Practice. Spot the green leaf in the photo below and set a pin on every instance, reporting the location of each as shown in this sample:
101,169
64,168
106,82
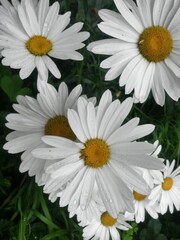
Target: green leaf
154,226
129,235
45,220
11,86
4,70
24,91
143,234
161,237
60,233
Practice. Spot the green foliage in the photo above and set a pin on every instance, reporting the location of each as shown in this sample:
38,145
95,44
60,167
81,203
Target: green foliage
12,86
152,231
129,235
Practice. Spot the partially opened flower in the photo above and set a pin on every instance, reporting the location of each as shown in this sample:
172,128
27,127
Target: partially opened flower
142,202
106,227
34,33
144,47
105,155
167,192
46,115
142,205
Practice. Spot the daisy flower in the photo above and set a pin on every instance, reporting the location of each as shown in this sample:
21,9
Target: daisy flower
143,204
46,115
167,192
105,155
144,48
106,227
35,33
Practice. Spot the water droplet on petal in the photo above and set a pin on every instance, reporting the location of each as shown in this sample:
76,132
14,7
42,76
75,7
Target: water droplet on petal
83,207
45,24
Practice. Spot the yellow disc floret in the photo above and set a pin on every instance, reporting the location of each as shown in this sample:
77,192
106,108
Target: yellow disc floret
138,196
59,126
96,153
155,43
167,184
39,45
107,220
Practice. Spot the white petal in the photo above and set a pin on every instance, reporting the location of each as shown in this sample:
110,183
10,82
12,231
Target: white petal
91,120
75,125
62,96
124,131
114,233
88,185
41,67
52,66
59,142
128,15
50,18
104,102
22,143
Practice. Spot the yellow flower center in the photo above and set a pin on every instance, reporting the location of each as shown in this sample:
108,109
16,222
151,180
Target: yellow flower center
167,184
155,44
96,153
59,126
138,196
107,220
39,45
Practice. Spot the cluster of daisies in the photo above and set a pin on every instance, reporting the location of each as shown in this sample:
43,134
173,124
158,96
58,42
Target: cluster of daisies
85,153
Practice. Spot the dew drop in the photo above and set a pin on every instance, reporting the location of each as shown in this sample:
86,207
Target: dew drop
62,187
45,24
83,207
68,183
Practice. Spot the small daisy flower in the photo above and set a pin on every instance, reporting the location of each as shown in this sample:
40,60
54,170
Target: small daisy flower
35,33
167,192
106,227
143,204
105,155
143,48
46,115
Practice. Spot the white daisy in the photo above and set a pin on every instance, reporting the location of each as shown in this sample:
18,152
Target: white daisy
167,192
143,204
106,155
106,227
144,48
46,115
34,33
